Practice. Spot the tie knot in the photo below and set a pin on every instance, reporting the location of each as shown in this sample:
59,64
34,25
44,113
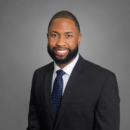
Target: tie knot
60,72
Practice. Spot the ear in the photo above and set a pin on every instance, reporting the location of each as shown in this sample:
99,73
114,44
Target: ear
47,35
79,39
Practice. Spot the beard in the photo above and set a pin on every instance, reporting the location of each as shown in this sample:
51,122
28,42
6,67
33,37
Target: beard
71,54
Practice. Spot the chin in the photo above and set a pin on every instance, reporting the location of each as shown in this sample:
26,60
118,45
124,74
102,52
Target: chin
60,57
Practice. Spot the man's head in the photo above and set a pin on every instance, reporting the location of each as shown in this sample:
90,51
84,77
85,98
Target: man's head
63,37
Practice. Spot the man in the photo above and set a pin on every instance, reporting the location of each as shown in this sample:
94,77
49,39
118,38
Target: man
71,93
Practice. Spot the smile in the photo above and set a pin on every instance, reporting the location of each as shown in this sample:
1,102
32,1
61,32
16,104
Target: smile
61,52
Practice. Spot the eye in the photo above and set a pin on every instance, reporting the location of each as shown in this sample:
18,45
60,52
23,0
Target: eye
68,35
54,35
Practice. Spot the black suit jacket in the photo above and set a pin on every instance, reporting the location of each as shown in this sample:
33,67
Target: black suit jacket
90,100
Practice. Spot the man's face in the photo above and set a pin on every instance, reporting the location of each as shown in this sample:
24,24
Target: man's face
63,40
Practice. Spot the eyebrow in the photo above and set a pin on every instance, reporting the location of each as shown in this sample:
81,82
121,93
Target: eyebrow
57,32
54,31
68,32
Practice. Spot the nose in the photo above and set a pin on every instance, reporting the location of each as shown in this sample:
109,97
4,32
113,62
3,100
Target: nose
61,41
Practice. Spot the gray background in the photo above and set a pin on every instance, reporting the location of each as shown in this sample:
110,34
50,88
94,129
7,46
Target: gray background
105,26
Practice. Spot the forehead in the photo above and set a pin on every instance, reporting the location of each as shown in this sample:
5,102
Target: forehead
62,24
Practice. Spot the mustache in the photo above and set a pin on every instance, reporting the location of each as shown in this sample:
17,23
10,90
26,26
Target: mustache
61,47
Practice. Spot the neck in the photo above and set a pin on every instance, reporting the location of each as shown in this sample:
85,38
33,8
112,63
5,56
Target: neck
63,65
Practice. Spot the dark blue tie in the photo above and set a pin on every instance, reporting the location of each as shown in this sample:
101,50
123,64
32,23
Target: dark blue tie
57,91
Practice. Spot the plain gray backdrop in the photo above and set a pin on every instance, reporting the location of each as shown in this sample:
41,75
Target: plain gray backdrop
105,28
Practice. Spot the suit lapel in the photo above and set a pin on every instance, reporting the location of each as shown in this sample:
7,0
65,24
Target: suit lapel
48,83
76,76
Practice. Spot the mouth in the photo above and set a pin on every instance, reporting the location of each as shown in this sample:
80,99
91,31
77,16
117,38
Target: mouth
61,52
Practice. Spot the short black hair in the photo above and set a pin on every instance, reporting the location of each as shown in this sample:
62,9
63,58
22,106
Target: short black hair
66,15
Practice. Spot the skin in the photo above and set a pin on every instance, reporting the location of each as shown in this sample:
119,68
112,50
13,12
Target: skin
63,33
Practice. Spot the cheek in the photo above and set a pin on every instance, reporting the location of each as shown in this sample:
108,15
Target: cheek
72,43
51,43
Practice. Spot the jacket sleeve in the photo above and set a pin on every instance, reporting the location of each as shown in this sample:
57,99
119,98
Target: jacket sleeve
107,113
33,121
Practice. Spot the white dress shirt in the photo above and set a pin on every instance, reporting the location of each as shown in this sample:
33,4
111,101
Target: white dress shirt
67,69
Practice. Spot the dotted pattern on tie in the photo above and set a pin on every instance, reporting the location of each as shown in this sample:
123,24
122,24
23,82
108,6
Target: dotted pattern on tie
57,91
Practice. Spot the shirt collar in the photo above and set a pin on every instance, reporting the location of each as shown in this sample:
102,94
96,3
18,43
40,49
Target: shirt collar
67,69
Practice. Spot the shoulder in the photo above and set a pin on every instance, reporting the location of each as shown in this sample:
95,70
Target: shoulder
96,70
44,69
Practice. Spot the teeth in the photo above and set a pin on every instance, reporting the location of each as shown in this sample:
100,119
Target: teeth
62,51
